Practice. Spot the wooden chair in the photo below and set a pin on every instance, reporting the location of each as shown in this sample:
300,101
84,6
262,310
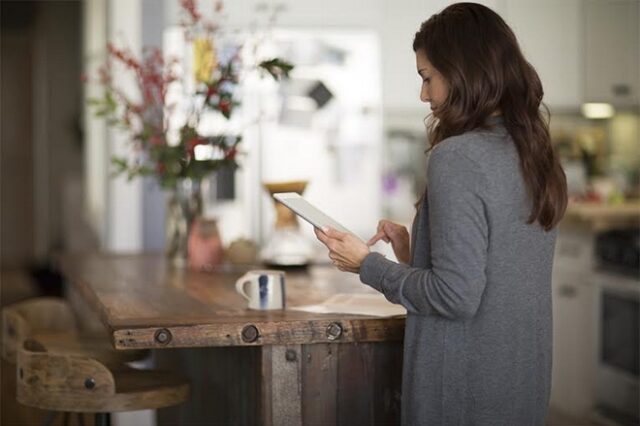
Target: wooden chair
82,384
51,321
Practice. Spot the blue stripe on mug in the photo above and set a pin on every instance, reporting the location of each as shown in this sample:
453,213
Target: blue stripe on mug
263,282
284,295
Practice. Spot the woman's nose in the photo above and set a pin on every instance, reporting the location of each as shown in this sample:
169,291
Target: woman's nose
424,95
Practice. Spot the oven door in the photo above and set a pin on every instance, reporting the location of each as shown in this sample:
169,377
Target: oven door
618,362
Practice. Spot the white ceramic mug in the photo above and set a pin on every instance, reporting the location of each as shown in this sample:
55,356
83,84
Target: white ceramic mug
264,289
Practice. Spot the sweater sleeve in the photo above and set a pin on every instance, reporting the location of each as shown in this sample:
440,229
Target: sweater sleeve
454,284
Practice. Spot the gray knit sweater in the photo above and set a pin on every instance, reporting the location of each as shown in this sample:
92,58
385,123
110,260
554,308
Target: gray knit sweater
477,348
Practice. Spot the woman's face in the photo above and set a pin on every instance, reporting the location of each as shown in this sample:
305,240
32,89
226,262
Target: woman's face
434,87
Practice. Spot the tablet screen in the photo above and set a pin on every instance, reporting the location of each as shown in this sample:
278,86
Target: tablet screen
308,211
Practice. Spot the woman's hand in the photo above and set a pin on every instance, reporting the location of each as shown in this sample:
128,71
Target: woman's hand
397,235
346,251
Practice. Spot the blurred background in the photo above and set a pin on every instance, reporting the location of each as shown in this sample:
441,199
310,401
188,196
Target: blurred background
349,123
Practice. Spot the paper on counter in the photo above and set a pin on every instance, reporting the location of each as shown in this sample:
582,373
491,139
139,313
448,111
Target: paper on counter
356,304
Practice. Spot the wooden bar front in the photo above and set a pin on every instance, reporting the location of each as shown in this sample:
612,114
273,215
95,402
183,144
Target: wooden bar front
248,367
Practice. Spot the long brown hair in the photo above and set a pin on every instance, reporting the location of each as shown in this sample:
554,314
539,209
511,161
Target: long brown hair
478,55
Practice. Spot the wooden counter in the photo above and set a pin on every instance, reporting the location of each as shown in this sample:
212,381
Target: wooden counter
254,367
602,216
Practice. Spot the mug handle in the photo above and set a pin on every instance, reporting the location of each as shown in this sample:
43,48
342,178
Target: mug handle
240,285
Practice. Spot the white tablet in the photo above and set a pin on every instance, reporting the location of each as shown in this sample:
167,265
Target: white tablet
308,211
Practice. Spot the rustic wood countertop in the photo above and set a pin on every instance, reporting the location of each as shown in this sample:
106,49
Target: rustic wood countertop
146,303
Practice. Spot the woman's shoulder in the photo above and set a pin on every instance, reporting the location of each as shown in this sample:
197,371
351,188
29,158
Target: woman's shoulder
455,158
480,146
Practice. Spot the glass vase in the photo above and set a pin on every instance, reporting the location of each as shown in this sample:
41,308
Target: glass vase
184,206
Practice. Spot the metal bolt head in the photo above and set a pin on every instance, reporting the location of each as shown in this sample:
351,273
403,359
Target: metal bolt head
89,383
290,355
334,331
250,333
163,336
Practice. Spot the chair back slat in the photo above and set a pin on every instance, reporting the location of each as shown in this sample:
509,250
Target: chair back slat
54,380
31,317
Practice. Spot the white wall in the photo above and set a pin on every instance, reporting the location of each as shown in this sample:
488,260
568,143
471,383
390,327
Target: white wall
95,152
124,197
396,22
127,216
153,198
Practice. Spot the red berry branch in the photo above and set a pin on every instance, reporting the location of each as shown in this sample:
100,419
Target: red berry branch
145,115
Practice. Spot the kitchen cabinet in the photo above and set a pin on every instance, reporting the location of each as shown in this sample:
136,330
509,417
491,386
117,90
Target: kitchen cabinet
574,342
574,323
549,33
612,53
616,374
577,288
583,51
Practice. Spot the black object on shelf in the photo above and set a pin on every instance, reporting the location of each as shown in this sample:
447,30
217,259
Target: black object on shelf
618,251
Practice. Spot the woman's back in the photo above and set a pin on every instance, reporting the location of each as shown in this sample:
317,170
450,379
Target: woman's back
464,371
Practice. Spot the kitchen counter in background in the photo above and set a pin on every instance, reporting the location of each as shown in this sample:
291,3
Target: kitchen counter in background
578,282
602,216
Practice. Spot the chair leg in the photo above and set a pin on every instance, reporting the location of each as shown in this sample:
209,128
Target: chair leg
103,419
50,417
65,419
80,419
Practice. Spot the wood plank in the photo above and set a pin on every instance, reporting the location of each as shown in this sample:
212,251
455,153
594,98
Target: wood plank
266,379
281,385
319,383
355,384
269,333
369,383
225,386
258,385
387,367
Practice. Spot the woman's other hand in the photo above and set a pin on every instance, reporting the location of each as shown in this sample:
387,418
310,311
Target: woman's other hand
346,251
398,236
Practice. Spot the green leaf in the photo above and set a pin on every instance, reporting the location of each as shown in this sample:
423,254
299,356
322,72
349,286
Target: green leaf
120,166
277,68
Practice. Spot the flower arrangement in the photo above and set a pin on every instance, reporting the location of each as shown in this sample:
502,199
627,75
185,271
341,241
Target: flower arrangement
158,150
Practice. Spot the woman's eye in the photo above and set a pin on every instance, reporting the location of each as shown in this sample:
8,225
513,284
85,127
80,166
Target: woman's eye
426,80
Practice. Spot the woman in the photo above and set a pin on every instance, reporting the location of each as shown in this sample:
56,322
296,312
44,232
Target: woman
477,280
